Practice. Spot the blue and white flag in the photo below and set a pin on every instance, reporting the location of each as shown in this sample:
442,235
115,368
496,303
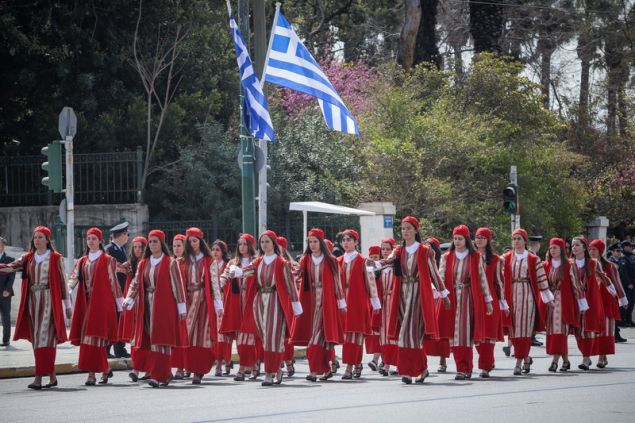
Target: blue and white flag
255,102
290,65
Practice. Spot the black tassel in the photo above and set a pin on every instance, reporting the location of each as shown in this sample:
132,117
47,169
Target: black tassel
235,286
307,286
398,272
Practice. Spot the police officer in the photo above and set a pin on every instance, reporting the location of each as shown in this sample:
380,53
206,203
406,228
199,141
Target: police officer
628,262
117,249
6,292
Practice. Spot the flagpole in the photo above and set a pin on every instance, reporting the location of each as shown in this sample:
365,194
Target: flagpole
229,8
273,30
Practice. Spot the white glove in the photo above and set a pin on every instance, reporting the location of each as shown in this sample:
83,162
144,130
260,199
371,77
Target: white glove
612,290
503,304
297,308
218,305
488,299
128,303
445,293
67,303
181,308
374,301
623,302
583,304
546,296
235,271
341,304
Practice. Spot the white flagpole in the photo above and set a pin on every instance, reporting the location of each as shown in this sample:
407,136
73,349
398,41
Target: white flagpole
229,8
273,30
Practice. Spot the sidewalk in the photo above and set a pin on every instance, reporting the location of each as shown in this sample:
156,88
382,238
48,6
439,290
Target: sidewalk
17,359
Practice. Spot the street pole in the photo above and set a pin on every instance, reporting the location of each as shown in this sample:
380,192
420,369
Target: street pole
515,218
246,141
260,52
70,207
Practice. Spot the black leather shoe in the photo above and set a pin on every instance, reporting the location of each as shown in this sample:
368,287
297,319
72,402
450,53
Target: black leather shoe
267,383
535,342
565,366
619,339
407,380
311,378
51,385
507,350
422,378
133,376
34,386
327,375
460,376
553,367
153,383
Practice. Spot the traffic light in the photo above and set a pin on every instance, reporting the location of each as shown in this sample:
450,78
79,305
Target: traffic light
53,166
510,198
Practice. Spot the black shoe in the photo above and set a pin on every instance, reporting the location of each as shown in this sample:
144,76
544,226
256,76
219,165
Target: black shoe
144,377
34,386
553,367
4,344
267,383
460,376
311,378
535,342
153,383
111,356
124,355
327,375
240,377
566,366
347,376
51,385
133,376
619,339
422,378
585,366
407,380
373,365
507,350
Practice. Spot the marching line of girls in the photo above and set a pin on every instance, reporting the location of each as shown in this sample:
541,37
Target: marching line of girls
403,303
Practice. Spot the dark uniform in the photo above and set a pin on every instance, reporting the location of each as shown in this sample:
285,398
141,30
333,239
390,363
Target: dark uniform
6,284
627,263
120,254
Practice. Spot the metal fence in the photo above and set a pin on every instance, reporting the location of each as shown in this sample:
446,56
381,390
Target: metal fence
99,178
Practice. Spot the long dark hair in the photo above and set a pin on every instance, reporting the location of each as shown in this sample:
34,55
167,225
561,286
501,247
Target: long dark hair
489,252
164,249
587,257
223,249
330,259
204,248
250,248
101,247
563,260
133,260
468,243
437,251
276,247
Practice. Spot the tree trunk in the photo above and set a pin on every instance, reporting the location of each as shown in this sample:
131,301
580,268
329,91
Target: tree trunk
614,57
546,47
408,38
426,45
585,50
486,25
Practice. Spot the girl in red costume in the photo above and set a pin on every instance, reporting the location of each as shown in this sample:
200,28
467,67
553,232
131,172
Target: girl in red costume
493,323
359,285
275,302
157,291
463,274
384,280
223,347
562,318
94,323
205,303
605,343
525,281
319,327
43,303
238,319
371,342
140,358
177,357
412,314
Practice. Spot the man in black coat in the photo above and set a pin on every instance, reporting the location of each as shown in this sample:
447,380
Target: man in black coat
6,292
628,263
117,249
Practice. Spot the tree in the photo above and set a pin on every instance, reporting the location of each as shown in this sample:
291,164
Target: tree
408,38
426,49
486,25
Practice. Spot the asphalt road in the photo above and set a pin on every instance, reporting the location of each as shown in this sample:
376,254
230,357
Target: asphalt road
541,396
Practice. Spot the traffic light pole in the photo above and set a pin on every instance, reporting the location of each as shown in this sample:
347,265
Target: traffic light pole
515,217
70,207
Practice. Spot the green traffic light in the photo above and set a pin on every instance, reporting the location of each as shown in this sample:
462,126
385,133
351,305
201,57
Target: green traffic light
510,198
53,166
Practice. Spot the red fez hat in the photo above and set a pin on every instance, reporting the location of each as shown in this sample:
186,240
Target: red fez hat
374,250
412,220
158,233
433,240
462,230
95,231
179,237
389,241
316,232
485,232
597,243
559,242
282,241
43,229
353,233
329,244
583,240
143,240
271,234
249,238
522,233
195,232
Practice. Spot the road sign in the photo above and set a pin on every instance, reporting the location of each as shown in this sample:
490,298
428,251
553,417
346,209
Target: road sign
67,123
62,211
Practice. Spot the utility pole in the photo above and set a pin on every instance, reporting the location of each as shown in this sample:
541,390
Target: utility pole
246,140
260,52
67,126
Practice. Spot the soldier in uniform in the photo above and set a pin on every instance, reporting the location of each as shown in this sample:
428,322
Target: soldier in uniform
6,292
117,249
628,264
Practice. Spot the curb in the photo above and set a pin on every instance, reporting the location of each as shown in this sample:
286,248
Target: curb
115,364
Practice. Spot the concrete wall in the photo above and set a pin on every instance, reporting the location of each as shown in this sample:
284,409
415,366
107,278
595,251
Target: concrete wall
375,228
16,223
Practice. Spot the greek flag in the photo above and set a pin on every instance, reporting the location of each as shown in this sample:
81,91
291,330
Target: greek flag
290,65
255,103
